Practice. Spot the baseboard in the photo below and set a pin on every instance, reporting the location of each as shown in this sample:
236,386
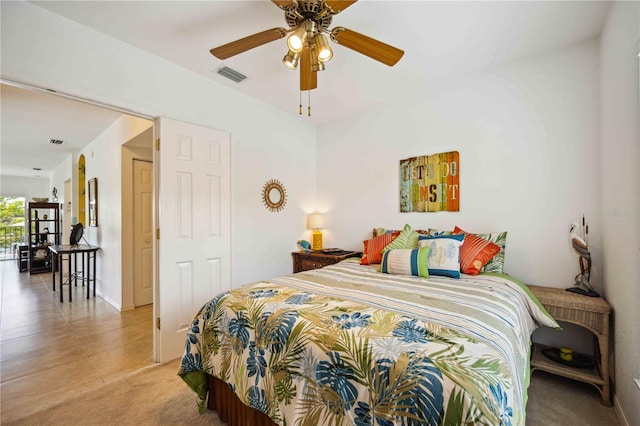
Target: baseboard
109,300
618,410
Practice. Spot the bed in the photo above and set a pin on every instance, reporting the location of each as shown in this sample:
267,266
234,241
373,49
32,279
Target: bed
349,345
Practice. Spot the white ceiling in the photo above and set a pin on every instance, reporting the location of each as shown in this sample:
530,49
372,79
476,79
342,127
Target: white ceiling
441,40
30,119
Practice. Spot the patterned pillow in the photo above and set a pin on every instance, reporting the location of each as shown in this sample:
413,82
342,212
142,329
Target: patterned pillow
496,264
475,252
444,254
437,232
379,231
408,239
372,252
413,262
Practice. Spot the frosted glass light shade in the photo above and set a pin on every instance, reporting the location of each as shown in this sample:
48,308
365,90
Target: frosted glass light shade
315,221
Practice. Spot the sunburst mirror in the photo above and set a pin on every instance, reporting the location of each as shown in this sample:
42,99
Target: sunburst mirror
274,195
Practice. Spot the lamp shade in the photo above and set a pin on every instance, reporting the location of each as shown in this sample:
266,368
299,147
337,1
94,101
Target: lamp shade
315,221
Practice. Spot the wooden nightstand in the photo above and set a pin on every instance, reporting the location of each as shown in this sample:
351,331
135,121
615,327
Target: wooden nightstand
317,259
591,313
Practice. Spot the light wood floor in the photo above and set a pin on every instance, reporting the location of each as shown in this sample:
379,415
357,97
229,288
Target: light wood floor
50,351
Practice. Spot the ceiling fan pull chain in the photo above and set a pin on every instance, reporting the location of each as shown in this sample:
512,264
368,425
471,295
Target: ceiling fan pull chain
300,110
309,104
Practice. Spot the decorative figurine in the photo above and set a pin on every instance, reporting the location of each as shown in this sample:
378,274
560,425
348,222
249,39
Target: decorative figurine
580,245
304,245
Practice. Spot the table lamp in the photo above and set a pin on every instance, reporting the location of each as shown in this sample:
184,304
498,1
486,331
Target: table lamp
315,221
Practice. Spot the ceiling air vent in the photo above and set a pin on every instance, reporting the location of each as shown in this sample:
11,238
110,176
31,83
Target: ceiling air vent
56,141
231,74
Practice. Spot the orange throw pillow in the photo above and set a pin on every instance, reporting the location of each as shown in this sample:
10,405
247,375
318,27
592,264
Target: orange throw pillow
475,252
372,252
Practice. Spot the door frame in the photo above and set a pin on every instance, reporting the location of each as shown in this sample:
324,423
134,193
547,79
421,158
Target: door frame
128,156
136,113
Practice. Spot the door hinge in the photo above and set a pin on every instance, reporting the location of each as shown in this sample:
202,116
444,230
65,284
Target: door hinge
157,233
158,145
158,323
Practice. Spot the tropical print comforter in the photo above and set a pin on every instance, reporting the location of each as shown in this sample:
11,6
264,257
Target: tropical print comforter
348,345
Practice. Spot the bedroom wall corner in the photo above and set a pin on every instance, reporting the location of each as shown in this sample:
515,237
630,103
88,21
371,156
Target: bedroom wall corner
527,134
620,157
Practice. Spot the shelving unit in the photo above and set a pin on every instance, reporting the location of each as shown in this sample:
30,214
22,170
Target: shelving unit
44,230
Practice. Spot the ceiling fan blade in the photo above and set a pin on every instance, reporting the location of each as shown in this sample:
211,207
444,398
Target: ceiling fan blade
308,78
242,45
337,6
284,4
368,46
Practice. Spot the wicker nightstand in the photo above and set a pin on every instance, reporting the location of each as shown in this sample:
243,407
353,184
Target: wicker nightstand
317,259
591,313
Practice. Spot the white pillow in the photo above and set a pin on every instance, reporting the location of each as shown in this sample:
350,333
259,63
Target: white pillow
444,254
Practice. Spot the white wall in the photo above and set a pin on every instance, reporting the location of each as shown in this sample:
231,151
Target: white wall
62,173
16,186
528,136
620,196
44,49
103,158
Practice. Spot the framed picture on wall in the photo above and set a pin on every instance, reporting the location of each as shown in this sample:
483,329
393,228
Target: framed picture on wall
93,202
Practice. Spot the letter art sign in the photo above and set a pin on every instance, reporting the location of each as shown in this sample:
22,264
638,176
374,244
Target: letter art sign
430,183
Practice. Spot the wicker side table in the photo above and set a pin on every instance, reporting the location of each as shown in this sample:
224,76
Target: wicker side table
591,313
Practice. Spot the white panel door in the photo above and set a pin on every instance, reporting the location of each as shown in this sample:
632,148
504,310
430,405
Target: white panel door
143,230
194,210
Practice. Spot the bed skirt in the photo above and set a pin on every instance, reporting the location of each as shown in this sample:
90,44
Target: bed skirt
230,409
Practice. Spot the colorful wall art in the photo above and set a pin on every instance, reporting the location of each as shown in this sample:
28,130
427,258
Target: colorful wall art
430,183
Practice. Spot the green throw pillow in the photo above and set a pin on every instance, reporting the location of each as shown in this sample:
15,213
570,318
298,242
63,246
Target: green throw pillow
408,239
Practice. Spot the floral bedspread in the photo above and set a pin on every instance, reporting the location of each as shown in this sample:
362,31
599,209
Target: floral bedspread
347,345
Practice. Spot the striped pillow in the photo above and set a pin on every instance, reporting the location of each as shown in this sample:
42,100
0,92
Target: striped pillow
414,262
408,239
475,252
372,252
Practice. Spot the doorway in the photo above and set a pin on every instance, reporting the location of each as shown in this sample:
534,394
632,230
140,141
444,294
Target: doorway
107,129
142,233
193,198
12,226
137,220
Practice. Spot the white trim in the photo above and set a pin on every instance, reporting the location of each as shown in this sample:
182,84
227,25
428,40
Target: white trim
32,87
108,300
619,413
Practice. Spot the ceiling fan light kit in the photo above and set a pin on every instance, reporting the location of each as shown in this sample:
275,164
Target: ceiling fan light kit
322,46
316,65
308,46
291,59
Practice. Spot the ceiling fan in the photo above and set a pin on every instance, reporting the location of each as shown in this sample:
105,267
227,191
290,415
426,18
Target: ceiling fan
309,21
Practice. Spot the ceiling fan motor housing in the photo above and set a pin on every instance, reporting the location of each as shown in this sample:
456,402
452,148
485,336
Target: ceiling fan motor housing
315,11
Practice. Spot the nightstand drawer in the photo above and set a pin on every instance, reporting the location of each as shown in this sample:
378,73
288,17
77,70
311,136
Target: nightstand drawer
308,264
317,259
